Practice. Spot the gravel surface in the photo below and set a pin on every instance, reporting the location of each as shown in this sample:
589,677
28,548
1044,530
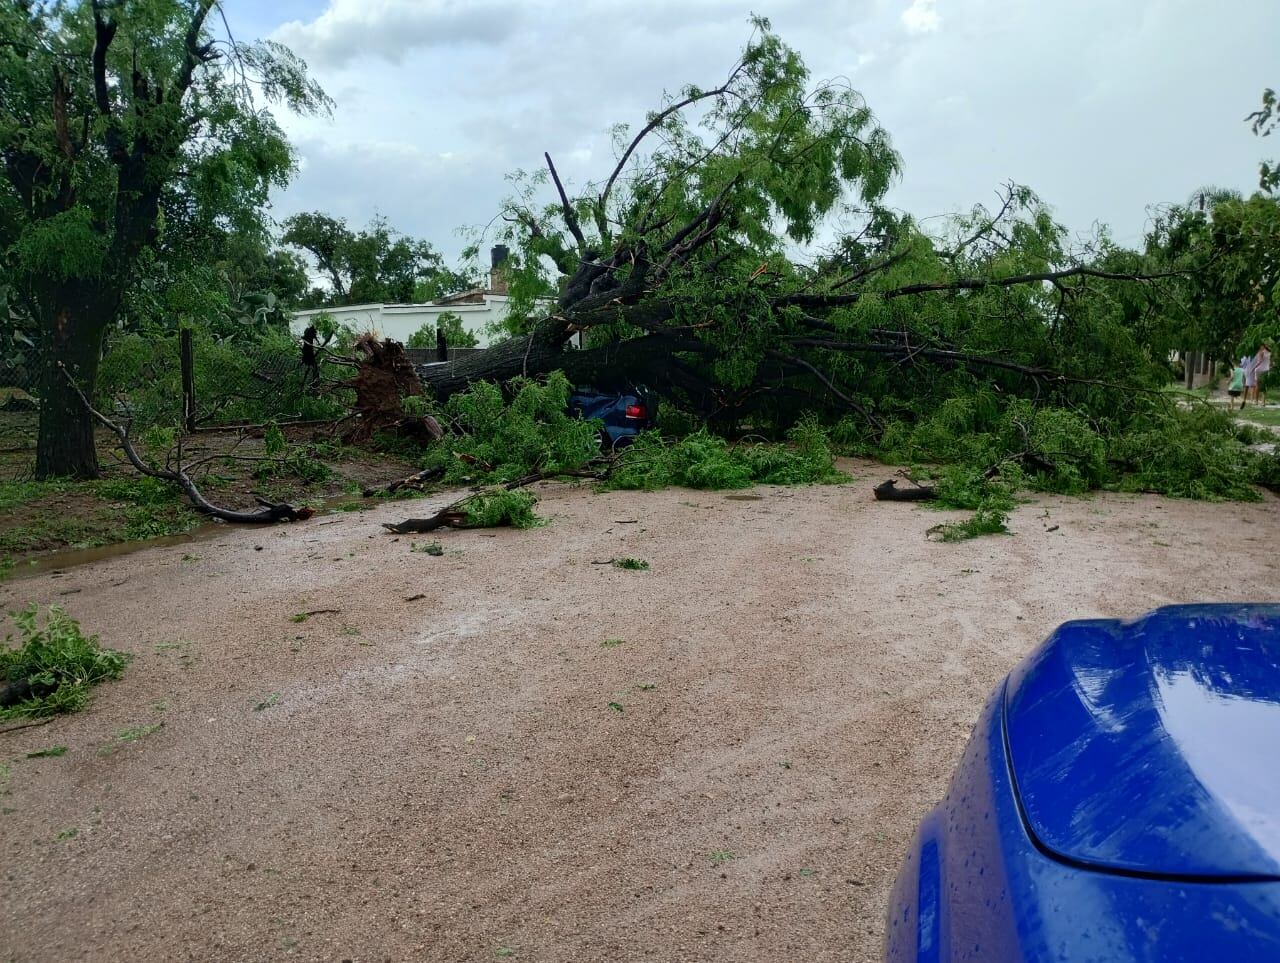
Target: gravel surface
474,775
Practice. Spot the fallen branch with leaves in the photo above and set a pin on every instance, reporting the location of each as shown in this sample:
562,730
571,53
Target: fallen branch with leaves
269,513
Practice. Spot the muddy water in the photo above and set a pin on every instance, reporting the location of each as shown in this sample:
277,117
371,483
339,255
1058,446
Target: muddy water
58,561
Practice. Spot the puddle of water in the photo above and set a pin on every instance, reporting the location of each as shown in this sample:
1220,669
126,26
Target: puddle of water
57,561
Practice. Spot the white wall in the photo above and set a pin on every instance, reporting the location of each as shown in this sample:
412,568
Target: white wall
398,321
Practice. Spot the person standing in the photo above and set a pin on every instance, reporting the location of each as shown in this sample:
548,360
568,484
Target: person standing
1250,379
1261,365
1236,387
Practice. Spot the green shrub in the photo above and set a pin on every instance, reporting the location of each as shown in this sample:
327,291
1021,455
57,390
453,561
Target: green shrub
500,441
54,665
1187,453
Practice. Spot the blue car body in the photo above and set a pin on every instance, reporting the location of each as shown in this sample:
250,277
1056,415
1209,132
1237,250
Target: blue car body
1119,799
623,414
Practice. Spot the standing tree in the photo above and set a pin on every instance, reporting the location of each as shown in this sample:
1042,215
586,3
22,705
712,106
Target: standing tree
376,264
115,114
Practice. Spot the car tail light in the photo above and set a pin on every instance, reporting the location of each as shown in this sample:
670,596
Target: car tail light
635,412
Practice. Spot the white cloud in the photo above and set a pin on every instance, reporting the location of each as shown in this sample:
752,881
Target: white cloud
921,17
438,100
360,29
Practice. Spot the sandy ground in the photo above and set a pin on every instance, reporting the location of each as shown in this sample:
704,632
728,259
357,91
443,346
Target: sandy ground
473,775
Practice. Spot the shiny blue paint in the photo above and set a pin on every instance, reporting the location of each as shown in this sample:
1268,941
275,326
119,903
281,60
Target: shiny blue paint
1153,746
978,885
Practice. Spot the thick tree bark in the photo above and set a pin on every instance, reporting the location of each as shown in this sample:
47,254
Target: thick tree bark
65,447
645,360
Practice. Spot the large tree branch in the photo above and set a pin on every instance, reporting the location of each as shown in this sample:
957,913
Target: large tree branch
654,122
269,513
801,363
814,300
945,355
570,216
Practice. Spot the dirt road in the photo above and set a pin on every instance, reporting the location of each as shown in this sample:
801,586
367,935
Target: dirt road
474,775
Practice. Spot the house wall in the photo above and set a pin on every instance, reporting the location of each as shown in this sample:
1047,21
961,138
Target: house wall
398,321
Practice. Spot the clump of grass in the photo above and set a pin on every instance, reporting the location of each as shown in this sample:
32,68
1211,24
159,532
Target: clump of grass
54,665
611,643
632,564
430,548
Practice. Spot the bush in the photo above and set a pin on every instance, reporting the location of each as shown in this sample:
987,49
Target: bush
1188,453
54,666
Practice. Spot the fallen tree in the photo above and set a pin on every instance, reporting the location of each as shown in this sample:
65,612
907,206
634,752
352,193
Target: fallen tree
679,271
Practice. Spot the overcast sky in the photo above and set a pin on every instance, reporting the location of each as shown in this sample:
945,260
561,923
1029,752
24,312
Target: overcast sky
1104,107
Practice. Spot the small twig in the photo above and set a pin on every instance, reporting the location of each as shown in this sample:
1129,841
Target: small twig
28,725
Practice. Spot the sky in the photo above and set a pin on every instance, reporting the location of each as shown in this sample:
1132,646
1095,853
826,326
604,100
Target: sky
1104,107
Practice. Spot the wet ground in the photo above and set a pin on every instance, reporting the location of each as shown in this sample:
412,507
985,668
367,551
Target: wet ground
454,765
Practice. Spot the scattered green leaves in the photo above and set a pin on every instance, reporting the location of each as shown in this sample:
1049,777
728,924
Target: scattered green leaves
49,753
54,665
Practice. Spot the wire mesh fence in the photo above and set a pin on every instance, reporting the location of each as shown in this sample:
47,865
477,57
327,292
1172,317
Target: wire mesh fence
19,413
186,381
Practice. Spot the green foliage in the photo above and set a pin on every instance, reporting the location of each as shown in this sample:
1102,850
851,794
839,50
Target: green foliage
500,441
455,335
57,661
251,380
704,460
139,490
1189,453
296,462
501,507
273,440
373,265
135,144
985,521
631,564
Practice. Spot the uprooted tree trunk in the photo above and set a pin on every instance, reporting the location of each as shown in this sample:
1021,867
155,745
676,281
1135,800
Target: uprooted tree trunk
386,377
269,512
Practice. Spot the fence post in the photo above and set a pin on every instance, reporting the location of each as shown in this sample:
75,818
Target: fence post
187,353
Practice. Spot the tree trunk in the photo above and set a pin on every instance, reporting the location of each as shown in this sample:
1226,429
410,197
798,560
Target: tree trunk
646,360
65,446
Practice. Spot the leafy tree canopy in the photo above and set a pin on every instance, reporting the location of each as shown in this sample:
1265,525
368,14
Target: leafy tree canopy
125,125
373,265
455,335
